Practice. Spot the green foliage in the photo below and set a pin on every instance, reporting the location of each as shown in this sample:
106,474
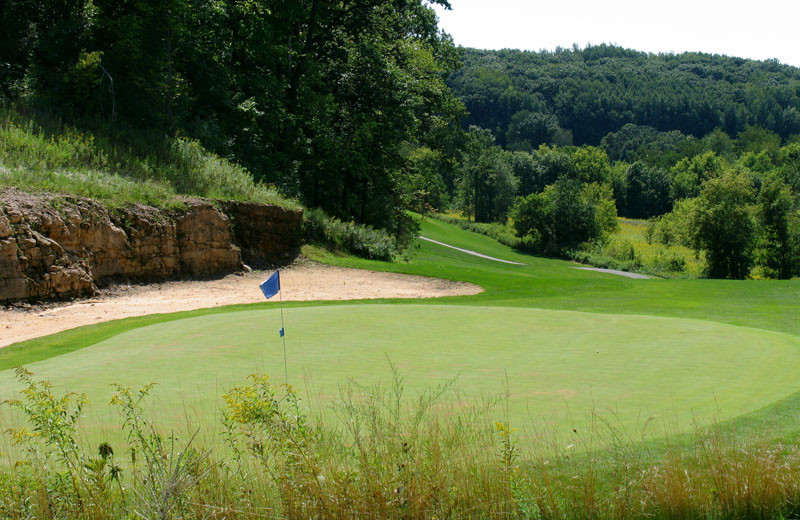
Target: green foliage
527,130
675,227
778,248
671,100
390,456
55,157
756,139
646,191
788,165
720,143
689,174
614,253
315,96
357,239
631,248
723,225
564,216
162,477
66,477
422,184
193,170
541,168
487,186
633,143
591,164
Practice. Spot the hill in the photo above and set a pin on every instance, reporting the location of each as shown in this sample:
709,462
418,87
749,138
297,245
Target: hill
591,92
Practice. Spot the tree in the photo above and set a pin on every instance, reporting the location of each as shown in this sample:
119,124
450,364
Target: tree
757,139
421,183
724,225
720,143
789,165
591,164
320,97
487,186
689,174
565,215
528,130
646,191
548,165
600,90
778,249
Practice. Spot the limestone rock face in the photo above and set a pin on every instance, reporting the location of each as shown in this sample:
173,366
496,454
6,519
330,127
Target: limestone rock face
147,246
59,247
205,241
268,235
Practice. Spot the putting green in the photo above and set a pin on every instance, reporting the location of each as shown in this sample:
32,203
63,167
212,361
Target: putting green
559,365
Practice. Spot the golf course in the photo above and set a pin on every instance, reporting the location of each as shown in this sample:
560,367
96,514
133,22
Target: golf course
563,345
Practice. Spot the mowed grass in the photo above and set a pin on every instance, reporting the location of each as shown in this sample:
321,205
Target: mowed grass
556,367
695,367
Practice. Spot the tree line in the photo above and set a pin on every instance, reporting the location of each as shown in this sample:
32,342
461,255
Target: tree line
319,97
578,96
365,109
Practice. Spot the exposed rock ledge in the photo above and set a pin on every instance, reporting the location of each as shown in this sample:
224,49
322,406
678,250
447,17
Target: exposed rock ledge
60,247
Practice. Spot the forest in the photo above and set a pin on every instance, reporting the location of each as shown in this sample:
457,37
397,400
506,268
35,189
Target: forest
315,96
366,109
706,146
579,96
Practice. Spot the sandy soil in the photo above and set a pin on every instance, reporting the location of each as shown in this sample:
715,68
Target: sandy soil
299,283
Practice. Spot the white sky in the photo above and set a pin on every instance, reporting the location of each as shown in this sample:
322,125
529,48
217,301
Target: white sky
757,29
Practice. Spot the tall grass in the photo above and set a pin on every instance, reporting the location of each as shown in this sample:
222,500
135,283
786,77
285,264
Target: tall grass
385,455
358,239
40,152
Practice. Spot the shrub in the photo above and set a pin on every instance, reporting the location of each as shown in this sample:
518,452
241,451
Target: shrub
360,240
565,215
669,262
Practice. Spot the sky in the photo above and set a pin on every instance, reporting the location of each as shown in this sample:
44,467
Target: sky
757,29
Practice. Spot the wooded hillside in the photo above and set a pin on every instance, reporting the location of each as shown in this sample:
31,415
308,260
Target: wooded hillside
580,95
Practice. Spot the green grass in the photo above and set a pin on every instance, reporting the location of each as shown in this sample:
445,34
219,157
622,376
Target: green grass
558,365
626,316
41,153
581,361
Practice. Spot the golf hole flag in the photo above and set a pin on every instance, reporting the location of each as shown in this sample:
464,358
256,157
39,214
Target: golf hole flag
271,285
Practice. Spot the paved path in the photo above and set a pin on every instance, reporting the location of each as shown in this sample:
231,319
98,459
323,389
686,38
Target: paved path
474,253
614,271
598,269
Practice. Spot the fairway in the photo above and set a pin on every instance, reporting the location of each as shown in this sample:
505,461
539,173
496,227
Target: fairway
559,365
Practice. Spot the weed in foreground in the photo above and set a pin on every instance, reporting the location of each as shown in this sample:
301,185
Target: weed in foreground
384,455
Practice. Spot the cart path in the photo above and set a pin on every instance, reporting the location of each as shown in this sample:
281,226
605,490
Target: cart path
470,252
614,271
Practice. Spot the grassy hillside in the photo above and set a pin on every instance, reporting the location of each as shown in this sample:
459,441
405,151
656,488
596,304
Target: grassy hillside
117,167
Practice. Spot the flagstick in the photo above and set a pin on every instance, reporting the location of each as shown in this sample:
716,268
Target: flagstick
283,335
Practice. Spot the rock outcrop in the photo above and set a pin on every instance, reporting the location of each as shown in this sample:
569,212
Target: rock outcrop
59,247
267,235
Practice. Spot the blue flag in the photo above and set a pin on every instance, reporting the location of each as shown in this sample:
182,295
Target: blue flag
271,285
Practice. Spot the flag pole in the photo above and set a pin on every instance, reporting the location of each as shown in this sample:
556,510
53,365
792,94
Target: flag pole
283,336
